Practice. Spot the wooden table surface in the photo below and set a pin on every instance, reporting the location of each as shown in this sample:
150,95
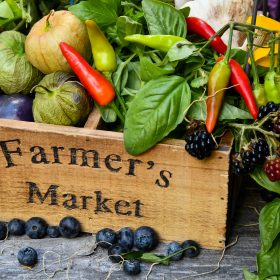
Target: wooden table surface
97,266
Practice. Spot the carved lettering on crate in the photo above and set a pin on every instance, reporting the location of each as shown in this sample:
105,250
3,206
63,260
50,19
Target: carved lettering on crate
11,150
97,202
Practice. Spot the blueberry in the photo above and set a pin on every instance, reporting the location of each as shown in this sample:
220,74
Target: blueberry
132,267
53,231
27,256
115,251
125,237
172,248
3,231
36,228
69,227
145,238
106,237
16,227
191,252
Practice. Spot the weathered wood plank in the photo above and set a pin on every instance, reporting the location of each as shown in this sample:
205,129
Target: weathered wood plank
97,266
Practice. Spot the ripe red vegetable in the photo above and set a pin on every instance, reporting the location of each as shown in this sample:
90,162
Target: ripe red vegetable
203,29
243,86
99,88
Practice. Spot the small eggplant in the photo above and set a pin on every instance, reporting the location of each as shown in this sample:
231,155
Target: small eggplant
16,107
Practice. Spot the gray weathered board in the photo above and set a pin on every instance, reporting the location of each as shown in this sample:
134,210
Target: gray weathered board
97,265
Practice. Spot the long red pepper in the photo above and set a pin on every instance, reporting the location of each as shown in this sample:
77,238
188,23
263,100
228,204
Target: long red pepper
99,88
243,86
203,29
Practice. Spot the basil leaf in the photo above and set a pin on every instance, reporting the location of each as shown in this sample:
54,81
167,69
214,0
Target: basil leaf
228,112
127,26
107,113
269,262
199,81
104,12
133,255
181,50
163,18
152,258
269,224
249,276
5,11
134,79
150,71
185,11
193,63
260,177
154,112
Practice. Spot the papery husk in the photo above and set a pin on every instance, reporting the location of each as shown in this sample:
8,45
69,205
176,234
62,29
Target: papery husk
17,74
61,100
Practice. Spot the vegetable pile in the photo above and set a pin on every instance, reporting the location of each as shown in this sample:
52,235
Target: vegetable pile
151,71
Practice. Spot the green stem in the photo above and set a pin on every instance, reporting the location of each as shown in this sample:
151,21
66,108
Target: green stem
278,55
108,76
19,25
272,50
117,111
220,32
256,128
253,63
253,27
227,55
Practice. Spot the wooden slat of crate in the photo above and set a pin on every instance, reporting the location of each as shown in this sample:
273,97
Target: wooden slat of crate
165,188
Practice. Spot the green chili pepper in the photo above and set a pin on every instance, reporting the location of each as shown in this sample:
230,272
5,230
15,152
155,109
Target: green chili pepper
103,53
158,42
259,94
271,91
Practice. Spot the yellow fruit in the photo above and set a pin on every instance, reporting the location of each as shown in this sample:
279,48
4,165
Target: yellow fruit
42,42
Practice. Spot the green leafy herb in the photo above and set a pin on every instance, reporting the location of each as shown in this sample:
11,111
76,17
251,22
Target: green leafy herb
181,50
104,12
260,177
269,262
269,224
150,71
163,18
127,26
154,112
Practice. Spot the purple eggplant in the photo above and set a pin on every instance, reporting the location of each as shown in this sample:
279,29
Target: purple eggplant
16,107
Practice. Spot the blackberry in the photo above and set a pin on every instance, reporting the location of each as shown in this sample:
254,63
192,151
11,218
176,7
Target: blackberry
260,150
199,143
238,166
265,110
272,169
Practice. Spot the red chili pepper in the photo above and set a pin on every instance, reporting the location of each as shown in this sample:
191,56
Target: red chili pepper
243,86
203,29
99,88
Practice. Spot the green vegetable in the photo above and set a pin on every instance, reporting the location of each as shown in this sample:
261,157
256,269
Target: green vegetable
158,42
60,100
154,112
17,74
164,19
271,90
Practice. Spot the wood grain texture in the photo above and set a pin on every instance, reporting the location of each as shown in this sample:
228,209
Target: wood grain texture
53,171
97,266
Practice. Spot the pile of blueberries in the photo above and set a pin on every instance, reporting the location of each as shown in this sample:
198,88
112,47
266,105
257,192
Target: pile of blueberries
143,239
37,228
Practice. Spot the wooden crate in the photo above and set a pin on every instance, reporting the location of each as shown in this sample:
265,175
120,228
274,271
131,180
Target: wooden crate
53,171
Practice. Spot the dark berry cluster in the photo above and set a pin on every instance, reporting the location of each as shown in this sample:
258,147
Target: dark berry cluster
199,143
143,239
276,125
272,169
251,156
265,110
